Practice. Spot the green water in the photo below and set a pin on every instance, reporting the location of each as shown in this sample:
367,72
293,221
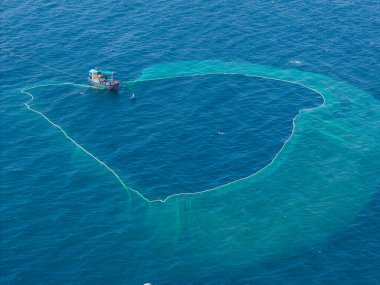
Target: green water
318,182
330,164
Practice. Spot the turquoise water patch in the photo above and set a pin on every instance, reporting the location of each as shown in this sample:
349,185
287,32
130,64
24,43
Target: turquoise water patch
330,164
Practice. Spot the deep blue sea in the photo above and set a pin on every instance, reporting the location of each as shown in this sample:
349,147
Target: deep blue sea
85,171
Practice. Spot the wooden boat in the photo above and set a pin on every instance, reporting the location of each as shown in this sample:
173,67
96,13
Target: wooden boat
103,79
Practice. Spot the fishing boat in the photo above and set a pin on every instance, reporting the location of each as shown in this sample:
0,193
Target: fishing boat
103,79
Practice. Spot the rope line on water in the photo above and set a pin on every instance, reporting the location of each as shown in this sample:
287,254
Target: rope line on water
27,104
41,64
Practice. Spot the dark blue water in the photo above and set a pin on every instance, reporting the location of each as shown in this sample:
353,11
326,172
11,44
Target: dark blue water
181,135
65,218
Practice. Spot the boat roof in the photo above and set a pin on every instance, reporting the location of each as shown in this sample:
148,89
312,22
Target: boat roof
102,71
106,71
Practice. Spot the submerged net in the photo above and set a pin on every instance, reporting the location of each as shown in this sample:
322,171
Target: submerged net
318,182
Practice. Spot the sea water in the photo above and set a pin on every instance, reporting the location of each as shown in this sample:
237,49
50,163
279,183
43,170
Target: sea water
249,155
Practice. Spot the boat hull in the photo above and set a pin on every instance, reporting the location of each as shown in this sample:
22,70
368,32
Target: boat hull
109,86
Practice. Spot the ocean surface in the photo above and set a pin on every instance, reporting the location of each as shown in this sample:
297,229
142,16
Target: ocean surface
250,154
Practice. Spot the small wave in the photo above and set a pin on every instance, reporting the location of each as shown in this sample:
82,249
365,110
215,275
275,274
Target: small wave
295,61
